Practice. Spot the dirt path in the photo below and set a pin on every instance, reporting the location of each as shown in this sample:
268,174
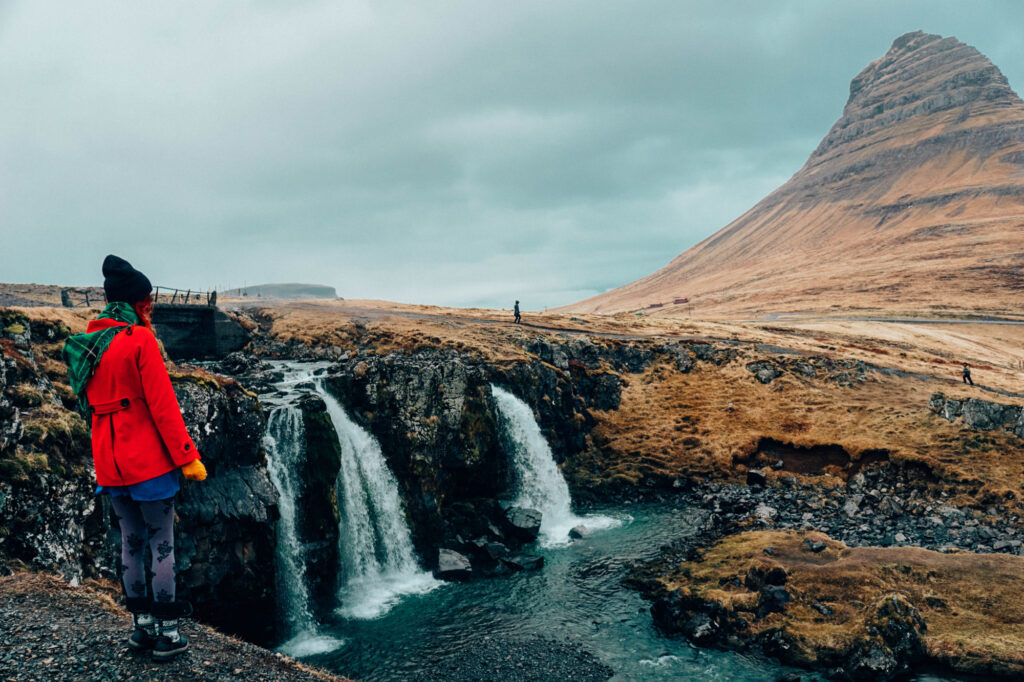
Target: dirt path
52,631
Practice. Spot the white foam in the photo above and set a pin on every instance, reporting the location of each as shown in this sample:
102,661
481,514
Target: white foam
366,598
310,643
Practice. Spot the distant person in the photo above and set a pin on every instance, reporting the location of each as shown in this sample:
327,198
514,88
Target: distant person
519,318
967,375
139,442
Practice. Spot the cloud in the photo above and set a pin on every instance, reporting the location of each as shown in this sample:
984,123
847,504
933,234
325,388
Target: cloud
453,152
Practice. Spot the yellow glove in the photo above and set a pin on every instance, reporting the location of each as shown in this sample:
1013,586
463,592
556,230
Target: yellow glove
194,470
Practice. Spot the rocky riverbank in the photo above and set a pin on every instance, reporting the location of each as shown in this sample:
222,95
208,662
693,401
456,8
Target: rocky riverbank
862,581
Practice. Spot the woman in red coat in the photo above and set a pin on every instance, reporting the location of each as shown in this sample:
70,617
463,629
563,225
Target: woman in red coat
139,442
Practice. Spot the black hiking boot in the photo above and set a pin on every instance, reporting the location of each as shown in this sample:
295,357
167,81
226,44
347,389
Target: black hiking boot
169,642
144,636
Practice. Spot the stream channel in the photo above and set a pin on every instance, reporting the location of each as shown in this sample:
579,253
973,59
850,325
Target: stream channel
529,621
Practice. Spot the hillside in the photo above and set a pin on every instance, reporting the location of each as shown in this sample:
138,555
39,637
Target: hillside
913,202
288,291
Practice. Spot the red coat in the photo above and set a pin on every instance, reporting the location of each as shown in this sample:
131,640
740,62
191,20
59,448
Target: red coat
137,429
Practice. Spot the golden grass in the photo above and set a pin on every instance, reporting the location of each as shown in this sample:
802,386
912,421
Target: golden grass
699,424
972,603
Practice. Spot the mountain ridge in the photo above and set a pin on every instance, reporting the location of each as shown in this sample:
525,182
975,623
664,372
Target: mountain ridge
924,166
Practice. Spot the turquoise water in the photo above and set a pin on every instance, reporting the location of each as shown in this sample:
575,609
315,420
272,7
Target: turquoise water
577,597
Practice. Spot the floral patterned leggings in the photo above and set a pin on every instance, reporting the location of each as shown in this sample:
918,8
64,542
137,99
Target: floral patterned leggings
139,520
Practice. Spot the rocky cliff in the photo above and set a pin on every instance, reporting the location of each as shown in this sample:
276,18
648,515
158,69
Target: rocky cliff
50,518
433,413
912,200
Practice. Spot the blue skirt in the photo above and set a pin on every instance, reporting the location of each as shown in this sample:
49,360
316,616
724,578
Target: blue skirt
160,488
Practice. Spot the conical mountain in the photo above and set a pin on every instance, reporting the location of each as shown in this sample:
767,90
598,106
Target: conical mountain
913,202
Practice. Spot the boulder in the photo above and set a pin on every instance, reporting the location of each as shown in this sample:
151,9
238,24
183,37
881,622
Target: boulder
986,416
452,566
756,477
765,513
764,371
524,562
814,545
773,599
579,532
495,550
523,524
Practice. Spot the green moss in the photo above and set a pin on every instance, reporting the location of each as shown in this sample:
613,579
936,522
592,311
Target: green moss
9,318
12,470
20,465
14,329
25,395
61,434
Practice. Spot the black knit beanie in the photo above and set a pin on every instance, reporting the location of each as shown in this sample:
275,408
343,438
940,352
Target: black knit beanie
122,282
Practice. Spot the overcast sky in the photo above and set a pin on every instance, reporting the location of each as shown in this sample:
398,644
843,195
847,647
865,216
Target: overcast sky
457,153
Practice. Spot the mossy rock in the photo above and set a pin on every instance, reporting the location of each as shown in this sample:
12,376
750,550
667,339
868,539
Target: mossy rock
10,318
61,434
21,465
25,395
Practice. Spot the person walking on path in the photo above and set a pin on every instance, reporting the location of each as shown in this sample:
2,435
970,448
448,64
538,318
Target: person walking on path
139,442
518,318
967,375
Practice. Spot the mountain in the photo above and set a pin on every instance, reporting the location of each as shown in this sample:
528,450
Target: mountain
285,291
913,202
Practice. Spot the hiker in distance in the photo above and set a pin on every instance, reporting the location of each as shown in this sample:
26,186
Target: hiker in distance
967,374
519,318
139,442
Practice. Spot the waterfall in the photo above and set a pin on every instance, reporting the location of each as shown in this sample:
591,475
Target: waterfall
284,442
539,483
378,564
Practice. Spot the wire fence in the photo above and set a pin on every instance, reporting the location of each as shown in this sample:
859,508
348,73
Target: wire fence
86,298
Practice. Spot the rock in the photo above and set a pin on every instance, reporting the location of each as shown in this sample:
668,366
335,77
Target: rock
852,506
495,550
240,362
986,416
890,506
764,371
579,532
452,566
756,477
765,513
523,524
773,599
684,359
815,545
871,662
763,574
524,562
823,609
857,481
896,629
701,630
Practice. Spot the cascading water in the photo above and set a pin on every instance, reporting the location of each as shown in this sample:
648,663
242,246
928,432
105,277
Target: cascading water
539,483
284,443
374,542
